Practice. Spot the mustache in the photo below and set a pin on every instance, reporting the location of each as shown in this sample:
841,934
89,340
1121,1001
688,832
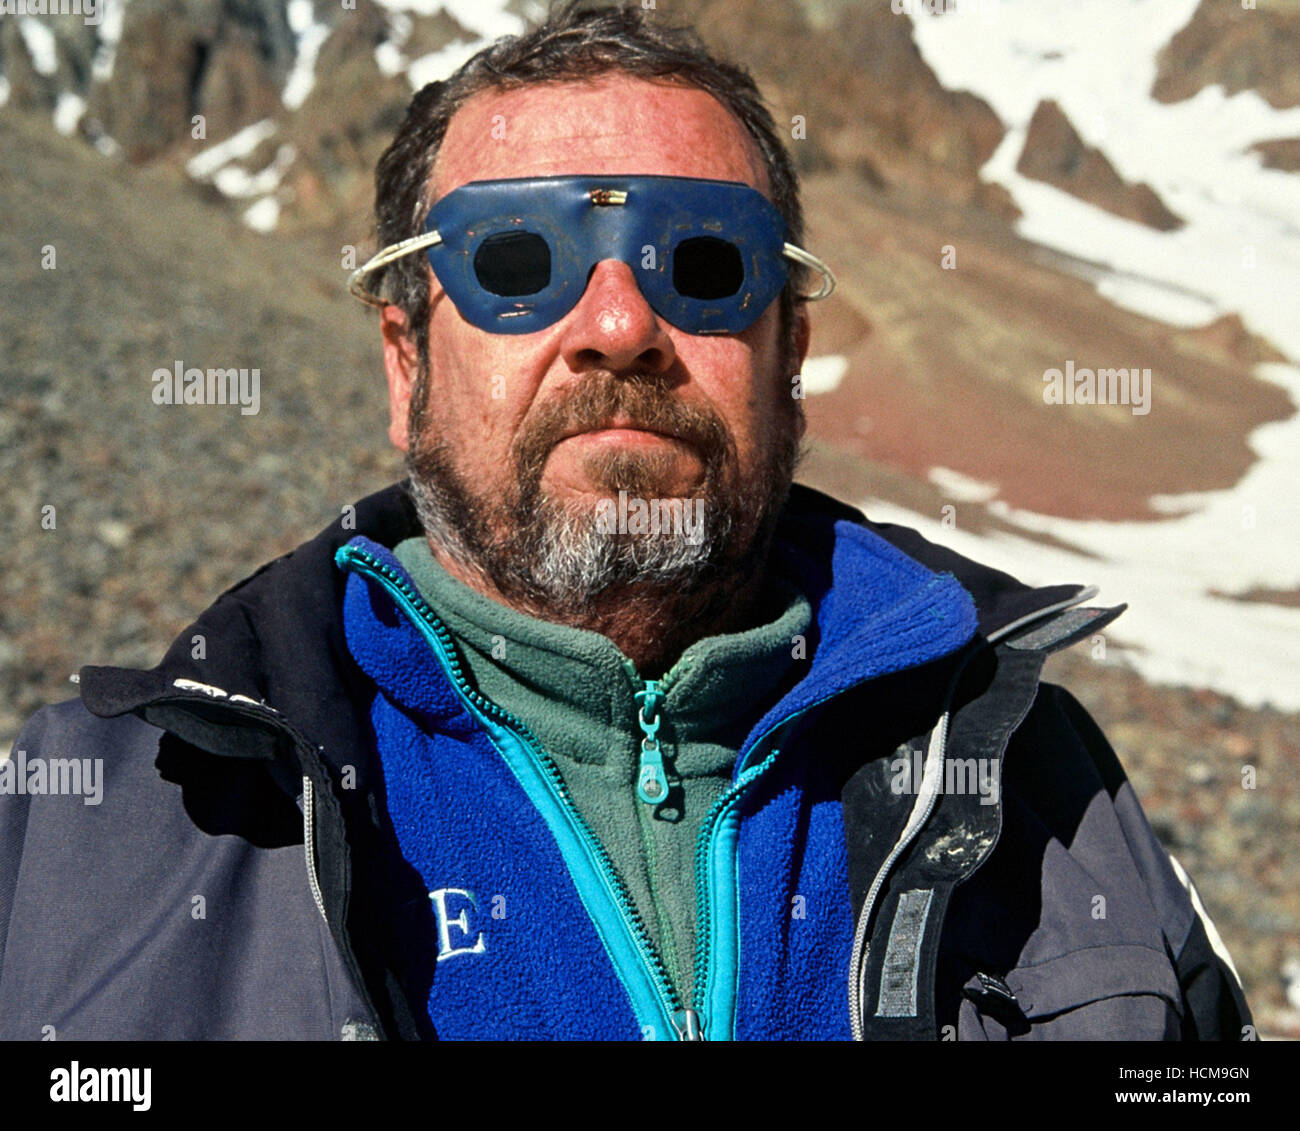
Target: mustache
602,397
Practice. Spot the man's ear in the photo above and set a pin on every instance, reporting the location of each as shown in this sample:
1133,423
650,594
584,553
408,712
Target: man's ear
400,366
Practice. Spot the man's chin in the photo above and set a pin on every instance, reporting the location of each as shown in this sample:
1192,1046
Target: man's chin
590,469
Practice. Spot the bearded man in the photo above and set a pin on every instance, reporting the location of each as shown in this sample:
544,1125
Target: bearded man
599,727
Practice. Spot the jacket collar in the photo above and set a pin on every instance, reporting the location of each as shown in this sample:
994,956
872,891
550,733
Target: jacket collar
277,637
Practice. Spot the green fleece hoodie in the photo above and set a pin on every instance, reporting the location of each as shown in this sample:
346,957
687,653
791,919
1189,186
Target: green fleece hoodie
576,691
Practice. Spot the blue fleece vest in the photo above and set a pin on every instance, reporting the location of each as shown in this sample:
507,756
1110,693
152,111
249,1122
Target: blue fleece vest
536,937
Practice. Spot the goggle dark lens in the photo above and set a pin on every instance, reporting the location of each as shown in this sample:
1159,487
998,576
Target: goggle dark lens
705,267
513,263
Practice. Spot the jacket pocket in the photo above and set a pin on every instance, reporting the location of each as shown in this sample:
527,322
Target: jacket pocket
1102,993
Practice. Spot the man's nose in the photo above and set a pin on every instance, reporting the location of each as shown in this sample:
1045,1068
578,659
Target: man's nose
613,327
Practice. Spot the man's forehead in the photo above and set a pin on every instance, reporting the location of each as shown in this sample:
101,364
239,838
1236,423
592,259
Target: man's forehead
614,124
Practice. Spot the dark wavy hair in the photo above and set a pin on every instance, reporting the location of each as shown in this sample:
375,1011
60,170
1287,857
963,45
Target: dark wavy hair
574,43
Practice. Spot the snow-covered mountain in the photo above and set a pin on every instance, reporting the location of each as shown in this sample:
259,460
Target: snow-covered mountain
282,105
1144,151
1237,252
248,92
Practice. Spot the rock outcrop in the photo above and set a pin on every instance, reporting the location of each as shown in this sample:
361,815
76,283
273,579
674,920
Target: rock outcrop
1255,48
1055,154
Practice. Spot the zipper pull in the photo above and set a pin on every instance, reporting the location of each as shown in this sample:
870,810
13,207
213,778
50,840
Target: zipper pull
688,1025
651,781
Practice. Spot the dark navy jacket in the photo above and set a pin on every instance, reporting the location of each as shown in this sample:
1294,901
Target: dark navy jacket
313,827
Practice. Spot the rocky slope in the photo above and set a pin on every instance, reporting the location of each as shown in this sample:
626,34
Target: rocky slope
1236,47
159,509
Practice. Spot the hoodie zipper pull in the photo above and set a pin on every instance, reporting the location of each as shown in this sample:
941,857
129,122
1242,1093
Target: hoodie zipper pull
651,781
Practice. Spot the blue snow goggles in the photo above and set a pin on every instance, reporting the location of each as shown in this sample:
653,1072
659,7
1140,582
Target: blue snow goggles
515,255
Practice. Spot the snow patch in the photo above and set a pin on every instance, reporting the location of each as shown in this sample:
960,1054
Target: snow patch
203,165
1240,247
239,184
400,26
113,12
418,7
1155,300
40,44
299,15
824,374
438,65
1234,541
961,487
485,20
107,146
1185,503
264,215
68,112
311,36
1178,635
217,165
389,59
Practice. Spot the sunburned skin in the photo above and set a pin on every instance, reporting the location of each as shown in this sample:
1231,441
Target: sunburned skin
486,389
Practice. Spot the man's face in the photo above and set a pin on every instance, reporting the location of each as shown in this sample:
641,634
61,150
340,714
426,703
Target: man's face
534,430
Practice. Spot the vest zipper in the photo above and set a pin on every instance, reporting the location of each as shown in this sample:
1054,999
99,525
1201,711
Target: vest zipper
684,1021
927,797
670,1006
688,1025
715,875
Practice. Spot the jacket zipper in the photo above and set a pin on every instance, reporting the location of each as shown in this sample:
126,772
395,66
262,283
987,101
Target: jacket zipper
931,777
309,843
245,707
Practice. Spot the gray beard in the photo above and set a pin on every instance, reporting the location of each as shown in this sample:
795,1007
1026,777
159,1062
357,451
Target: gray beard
562,559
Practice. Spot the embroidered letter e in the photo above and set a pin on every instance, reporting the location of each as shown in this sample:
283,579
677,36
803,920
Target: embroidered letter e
461,922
